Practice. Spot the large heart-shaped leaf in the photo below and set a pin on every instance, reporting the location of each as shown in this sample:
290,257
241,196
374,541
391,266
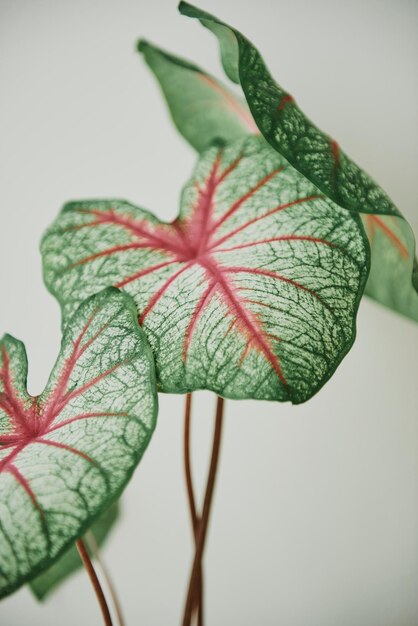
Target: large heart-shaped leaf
202,108
252,292
319,158
67,454
51,579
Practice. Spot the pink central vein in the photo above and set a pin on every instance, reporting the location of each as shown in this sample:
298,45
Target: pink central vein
243,315
32,432
186,253
190,240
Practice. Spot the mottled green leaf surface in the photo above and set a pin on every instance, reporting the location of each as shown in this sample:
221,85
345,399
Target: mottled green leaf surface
319,158
252,292
202,108
70,561
66,455
288,130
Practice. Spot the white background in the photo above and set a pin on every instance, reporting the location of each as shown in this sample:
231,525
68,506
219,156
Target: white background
315,517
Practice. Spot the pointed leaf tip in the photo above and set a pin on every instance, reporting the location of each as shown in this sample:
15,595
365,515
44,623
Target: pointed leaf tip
202,108
189,10
141,45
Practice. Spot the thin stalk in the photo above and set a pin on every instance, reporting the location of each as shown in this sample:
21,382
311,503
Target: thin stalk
198,596
203,525
92,543
84,555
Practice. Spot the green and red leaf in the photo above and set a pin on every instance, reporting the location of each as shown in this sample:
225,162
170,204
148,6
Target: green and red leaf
319,157
389,282
251,292
202,108
288,130
66,455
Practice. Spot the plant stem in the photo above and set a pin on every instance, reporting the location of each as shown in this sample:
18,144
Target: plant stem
198,596
84,555
203,524
92,543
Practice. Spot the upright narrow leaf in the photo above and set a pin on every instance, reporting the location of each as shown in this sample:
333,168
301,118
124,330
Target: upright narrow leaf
319,158
251,292
67,454
202,108
47,582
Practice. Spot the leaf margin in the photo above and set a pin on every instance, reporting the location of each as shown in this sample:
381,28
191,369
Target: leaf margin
92,519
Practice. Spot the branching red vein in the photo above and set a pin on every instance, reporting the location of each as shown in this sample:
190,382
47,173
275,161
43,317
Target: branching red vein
83,416
244,317
77,392
8,441
244,198
7,409
83,348
229,169
13,470
189,241
153,240
63,446
283,238
13,454
275,275
160,292
196,314
107,252
143,272
282,207
50,410
203,211
16,410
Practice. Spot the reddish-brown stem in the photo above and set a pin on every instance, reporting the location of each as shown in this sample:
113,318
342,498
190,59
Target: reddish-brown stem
203,525
84,555
189,482
198,596
94,548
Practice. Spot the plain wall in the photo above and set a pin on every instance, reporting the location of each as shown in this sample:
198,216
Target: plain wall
315,516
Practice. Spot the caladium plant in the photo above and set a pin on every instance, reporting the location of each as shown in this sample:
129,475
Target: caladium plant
251,292
394,271
66,455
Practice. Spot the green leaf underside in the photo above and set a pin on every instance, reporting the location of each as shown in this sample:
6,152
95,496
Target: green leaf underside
321,160
389,280
202,108
66,455
251,292
70,561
